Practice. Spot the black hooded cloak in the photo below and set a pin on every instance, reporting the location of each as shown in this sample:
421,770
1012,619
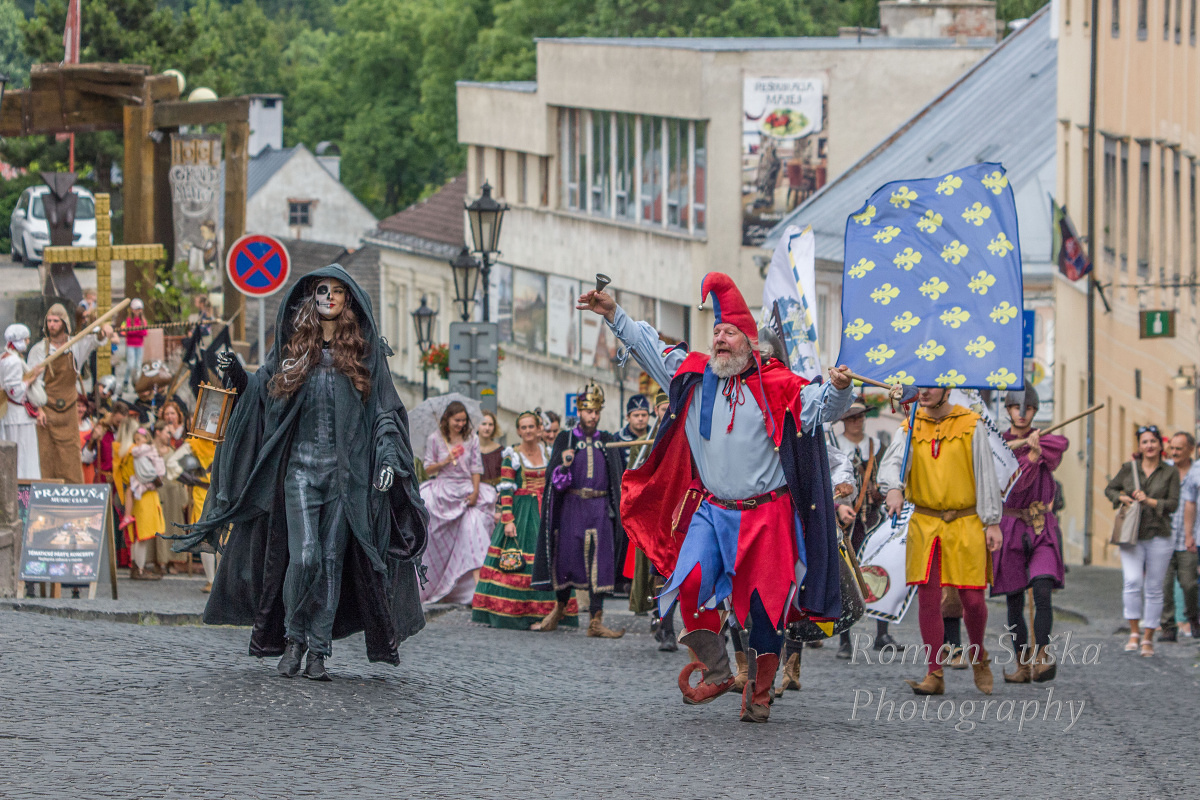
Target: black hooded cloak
379,593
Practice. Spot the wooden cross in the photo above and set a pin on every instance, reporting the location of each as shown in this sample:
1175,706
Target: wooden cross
104,253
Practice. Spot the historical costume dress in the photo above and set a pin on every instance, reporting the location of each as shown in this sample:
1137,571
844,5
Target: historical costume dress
458,533
18,422
952,485
58,441
735,503
320,490
504,597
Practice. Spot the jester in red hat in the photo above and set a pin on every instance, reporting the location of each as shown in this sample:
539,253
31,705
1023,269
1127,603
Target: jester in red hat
734,502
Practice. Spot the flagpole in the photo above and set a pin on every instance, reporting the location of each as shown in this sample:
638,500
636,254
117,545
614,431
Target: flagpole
1090,466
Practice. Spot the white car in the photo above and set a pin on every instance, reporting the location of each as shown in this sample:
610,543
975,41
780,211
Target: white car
31,234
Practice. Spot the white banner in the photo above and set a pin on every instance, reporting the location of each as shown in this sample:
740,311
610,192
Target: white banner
790,287
1007,468
562,320
882,562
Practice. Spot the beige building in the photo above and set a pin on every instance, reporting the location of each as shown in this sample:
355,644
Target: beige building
1145,248
646,159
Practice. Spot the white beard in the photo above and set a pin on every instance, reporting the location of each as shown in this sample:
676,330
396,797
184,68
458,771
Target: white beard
730,365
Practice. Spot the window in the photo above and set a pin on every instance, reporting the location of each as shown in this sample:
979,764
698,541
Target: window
678,192
1066,7
1161,254
1143,244
1123,217
1166,20
1192,24
701,173
478,169
625,143
544,179
1178,21
1110,197
521,176
1177,216
1193,242
574,159
652,159
601,156
501,157
1116,16
299,212
1143,20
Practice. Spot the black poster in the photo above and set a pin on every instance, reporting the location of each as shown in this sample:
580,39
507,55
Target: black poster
64,533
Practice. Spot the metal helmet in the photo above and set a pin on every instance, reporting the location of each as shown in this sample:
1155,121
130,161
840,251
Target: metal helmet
108,384
1024,399
770,345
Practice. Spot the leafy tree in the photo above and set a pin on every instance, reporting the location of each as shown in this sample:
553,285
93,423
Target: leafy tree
13,61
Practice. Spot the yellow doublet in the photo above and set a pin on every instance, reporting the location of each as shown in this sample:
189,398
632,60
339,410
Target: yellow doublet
146,510
205,451
946,483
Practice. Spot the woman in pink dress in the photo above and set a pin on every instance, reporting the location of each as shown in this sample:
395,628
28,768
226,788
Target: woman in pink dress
460,510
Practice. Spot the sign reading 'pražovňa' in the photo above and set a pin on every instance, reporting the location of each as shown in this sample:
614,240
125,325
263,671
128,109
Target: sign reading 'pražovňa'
64,533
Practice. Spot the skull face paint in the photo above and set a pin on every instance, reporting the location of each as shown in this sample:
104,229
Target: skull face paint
331,297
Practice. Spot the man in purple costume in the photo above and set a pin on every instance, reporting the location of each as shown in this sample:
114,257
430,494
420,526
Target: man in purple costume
581,526
1031,555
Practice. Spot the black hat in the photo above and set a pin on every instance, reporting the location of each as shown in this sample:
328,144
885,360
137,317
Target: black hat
637,402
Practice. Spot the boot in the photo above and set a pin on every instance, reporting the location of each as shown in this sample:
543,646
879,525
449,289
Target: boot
289,664
1024,671
791,675
712,660
1168,635
756,697
551,620
666,640
597,630
315,668
1195,625
743,670
983,672
844,650
933,683
1045,667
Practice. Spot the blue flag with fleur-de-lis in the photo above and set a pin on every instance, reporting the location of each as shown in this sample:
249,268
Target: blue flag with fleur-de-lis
932,290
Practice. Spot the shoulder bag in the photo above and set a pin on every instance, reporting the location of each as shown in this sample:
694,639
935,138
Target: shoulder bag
1125,526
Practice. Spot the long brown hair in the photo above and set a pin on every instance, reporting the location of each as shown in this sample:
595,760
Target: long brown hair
303,350
452,410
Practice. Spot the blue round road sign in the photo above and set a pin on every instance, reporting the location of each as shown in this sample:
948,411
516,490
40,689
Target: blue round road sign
258,265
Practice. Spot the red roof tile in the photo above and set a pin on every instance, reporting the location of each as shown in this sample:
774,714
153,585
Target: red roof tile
438,218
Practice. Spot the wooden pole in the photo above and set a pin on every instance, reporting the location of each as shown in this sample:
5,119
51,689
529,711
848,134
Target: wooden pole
139,194
112,312
1016,443
237,166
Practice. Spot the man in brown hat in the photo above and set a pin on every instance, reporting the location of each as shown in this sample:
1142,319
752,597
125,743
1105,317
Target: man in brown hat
59,444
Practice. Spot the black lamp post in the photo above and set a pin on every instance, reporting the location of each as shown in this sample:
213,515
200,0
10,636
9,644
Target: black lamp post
466,280
485,216
423,320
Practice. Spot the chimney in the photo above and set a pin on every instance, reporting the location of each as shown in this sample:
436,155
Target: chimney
938,19
330,157
266,122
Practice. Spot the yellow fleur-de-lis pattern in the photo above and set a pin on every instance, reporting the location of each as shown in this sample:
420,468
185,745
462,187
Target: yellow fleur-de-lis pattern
885,294
930,222
995,181
954,252
905,322
930,350
951,378
980,346
901,377
861,268
1004,313
887,234
977,214
948,184
865,217
934,288
902,197
955,287
858,329
907,258
1001,245
955,317
880,353
982,281
1001,378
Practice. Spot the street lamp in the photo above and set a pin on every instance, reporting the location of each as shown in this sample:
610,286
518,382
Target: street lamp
423,320
466,281
485,216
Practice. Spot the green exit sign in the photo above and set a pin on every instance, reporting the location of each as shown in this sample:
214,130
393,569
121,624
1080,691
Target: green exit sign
1157,324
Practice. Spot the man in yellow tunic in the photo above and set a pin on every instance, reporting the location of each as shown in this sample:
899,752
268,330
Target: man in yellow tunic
958,503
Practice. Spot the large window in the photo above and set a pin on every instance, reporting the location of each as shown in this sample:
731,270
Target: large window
1110,196
1123,218
1143,246
1192,232
649,170
1177,216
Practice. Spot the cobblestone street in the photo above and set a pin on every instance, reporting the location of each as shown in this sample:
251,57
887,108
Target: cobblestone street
100,709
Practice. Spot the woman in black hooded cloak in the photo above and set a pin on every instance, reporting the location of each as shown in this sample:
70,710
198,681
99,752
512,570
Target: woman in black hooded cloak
316,486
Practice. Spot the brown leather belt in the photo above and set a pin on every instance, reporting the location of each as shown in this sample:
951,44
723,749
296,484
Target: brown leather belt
587,494
1034,516
749,503
946,516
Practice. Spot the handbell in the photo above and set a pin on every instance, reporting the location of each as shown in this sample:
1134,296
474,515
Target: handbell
602,280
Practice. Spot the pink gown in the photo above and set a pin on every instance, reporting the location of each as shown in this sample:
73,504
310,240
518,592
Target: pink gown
458,534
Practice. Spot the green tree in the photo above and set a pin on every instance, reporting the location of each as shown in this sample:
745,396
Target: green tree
13,61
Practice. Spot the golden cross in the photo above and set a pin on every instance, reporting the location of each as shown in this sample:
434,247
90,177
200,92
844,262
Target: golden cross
104,253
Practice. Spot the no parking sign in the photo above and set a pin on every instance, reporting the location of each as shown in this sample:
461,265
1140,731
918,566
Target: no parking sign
258,265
